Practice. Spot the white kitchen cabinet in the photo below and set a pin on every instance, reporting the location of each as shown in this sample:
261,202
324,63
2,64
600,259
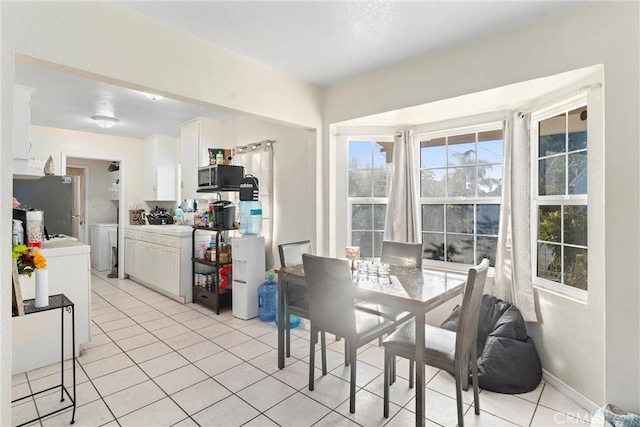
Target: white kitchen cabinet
129,245
159,257
196,137
159,168
141,260
23,167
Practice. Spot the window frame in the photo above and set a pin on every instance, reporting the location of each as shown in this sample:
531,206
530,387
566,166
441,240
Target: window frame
561,200
363,200
475,200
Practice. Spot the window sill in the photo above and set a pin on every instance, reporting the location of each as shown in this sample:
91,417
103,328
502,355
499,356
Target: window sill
576,295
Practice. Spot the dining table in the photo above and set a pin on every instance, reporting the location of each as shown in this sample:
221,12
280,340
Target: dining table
409,289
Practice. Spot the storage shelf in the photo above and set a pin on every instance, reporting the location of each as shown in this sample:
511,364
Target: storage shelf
210,263
211,295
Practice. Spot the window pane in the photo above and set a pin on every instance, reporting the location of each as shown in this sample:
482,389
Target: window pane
552,144
549,223
378,237
433,218
364,239
488,218
460,248
359,154
361,217
577,128
360,182
461,182
552,176
577,140
460,218
433,183
552,135
487,249
382,154
575,267
433,153
490,180
433,245
549,261
462,149
379,215
490,147
381,179
578,173
575,225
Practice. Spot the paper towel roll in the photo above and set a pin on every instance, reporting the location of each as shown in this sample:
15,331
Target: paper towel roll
35,228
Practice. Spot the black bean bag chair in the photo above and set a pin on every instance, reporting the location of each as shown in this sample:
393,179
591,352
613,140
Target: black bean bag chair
508,361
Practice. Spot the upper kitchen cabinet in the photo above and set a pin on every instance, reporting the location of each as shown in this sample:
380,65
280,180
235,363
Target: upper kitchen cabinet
196,137
160,169
23,166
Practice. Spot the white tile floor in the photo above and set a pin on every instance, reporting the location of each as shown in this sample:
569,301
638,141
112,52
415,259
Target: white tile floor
154,362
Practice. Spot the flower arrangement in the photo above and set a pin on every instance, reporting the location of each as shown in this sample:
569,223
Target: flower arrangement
28,262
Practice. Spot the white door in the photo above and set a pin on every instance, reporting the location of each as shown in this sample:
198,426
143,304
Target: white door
78,221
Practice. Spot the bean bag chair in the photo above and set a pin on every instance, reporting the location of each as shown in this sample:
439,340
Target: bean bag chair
508,361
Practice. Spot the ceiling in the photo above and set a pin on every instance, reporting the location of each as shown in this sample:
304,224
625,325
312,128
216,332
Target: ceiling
322,42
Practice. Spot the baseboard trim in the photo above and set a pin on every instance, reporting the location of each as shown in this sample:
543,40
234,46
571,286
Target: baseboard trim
571,393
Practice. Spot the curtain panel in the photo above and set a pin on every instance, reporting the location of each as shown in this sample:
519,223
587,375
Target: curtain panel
512,279
403,217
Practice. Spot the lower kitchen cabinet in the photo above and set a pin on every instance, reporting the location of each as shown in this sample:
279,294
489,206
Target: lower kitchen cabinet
160,258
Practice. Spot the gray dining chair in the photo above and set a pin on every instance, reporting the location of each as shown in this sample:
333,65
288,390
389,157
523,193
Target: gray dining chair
444,349
401,254
297,301
332,308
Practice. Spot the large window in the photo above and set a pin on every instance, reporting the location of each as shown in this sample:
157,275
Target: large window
460,189
560,198
369,171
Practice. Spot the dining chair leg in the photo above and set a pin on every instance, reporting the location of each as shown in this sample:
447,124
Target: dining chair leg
346,352
352,390
387,375
474,372
412,373
323,345
458,374
287,330
312,357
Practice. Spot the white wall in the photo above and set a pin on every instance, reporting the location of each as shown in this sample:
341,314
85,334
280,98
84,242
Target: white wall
293,186
598,33
52,141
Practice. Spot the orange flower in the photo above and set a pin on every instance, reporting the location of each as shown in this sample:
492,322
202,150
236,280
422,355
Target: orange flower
39,261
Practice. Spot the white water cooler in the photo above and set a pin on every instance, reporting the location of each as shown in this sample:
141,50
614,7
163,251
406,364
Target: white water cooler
248,254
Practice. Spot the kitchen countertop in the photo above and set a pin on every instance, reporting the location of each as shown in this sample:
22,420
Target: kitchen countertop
171,230
64,246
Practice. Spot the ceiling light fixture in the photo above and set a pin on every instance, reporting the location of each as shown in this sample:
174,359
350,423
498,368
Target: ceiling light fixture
153,97
104,121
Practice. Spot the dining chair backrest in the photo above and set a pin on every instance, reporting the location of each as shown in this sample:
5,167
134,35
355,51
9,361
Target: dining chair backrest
291,253
330,292
401,254
467,332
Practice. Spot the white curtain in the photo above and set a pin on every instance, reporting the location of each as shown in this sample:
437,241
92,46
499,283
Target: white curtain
512,281
403,218
257,160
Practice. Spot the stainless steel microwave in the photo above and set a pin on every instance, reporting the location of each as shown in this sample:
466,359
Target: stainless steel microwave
220,177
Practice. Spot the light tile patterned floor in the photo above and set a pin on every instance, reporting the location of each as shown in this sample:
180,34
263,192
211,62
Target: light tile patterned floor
154,362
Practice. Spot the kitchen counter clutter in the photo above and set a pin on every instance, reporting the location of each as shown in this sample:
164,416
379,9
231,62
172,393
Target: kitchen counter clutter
36,339
159,257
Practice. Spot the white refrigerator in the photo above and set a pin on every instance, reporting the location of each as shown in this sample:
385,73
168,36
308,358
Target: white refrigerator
248,254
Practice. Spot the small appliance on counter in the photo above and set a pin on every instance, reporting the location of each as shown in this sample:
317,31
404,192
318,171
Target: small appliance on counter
224,213
159,216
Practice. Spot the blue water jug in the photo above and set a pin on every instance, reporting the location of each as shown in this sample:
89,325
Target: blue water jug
248,217
268,300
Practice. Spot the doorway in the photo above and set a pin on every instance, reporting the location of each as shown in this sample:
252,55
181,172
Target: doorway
103,201
79,220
